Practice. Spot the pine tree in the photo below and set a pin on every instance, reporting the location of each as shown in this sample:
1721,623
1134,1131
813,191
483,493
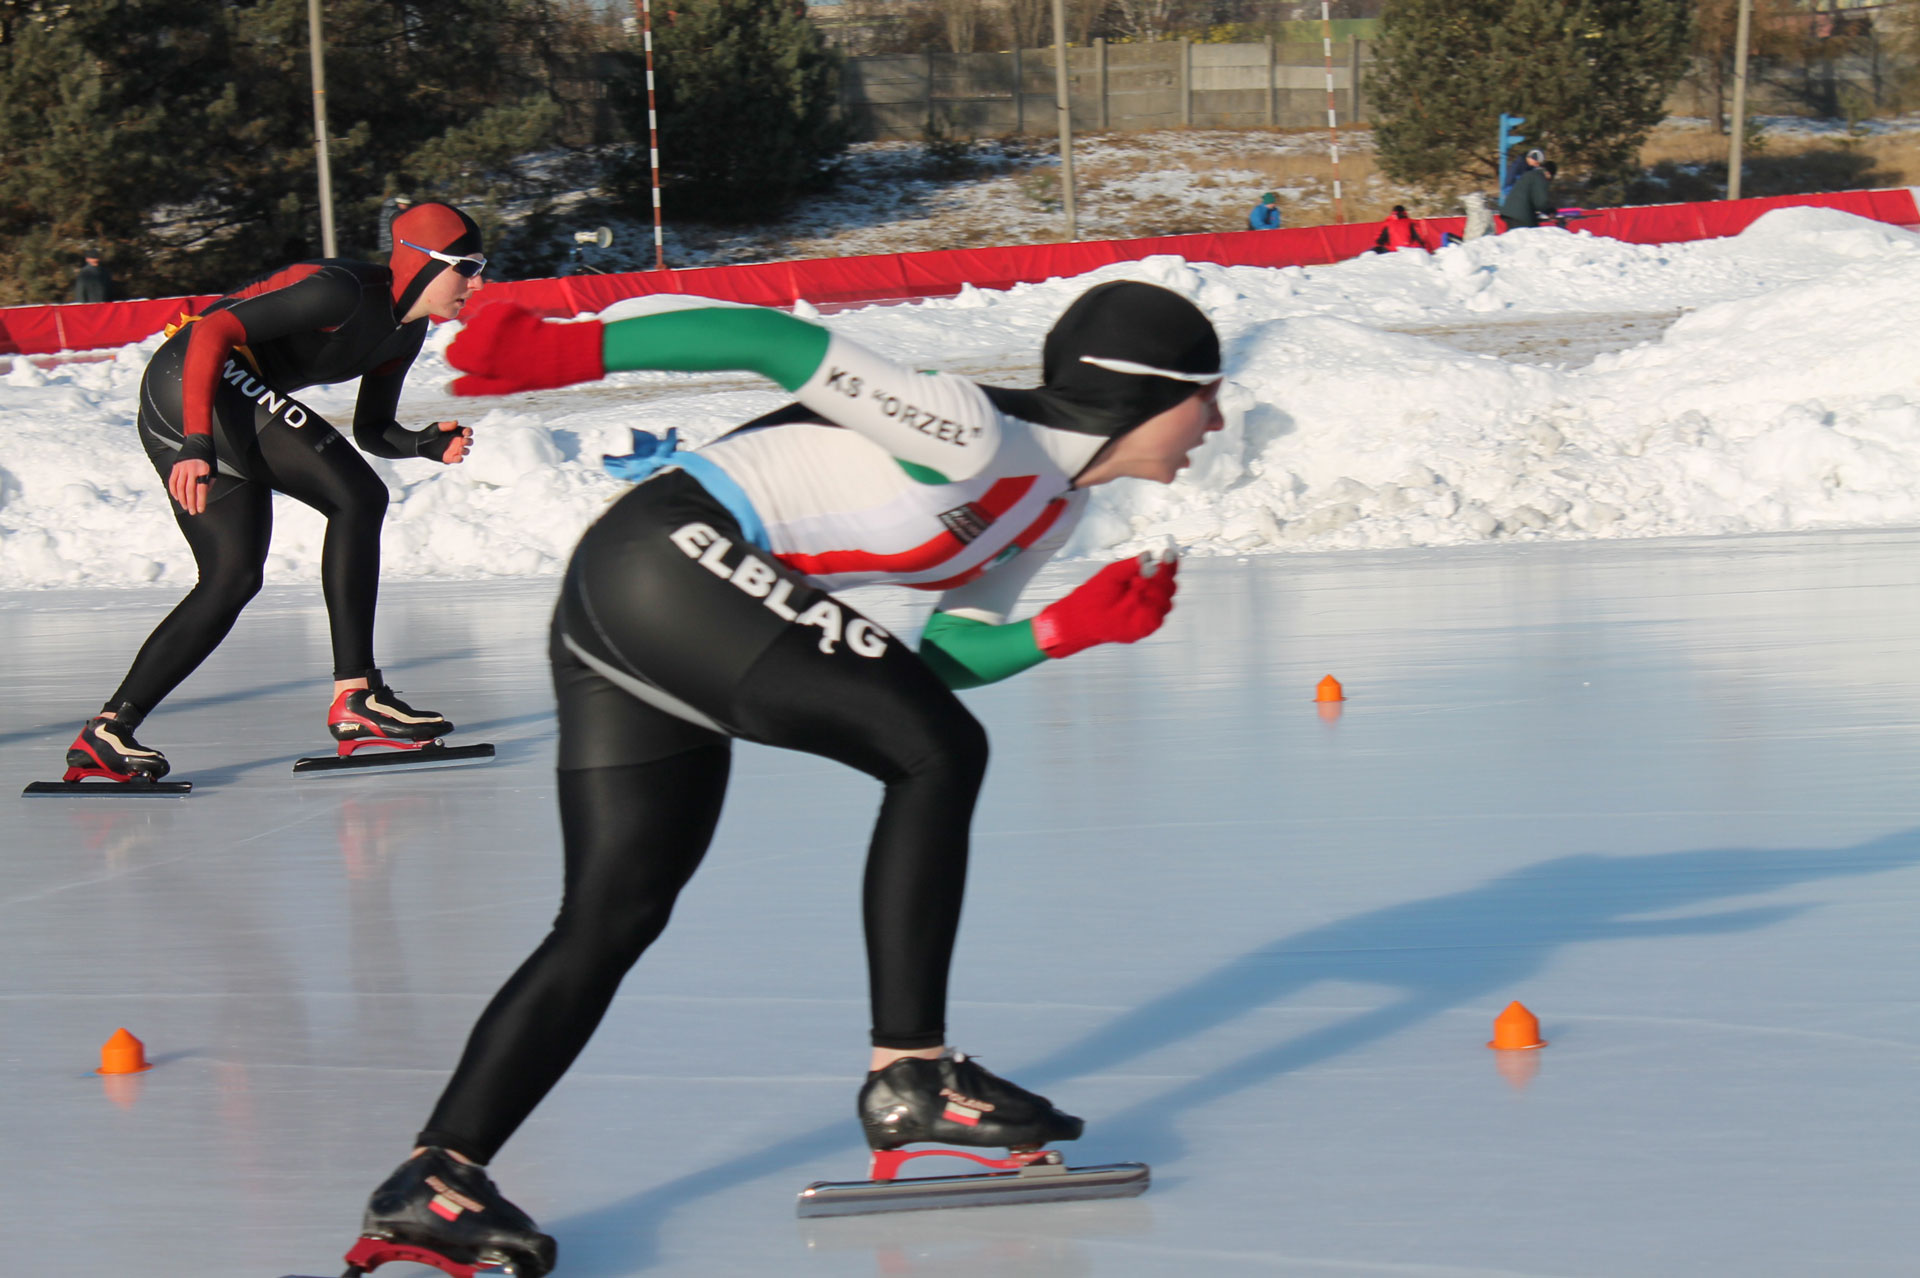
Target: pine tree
747,97
91,107
1590,76
177,135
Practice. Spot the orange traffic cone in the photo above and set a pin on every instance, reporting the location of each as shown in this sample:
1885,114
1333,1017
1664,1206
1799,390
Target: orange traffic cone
123,1054
1516,1030
1329,690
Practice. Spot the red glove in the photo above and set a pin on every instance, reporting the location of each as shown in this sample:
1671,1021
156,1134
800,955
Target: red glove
1118,604
509,348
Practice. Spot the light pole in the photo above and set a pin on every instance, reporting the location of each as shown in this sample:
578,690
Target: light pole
317,51
1735,149
1062,100
653,136
1333,119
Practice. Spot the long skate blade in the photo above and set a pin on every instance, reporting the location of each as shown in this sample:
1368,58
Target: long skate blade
423,759
1037,1184
111,789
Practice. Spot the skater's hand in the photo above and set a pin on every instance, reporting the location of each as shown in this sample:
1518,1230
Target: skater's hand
1122,603
508,348
187,484
454,449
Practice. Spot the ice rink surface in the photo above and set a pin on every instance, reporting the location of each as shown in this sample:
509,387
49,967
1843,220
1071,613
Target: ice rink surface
1660,791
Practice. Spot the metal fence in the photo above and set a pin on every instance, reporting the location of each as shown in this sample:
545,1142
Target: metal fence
1118,88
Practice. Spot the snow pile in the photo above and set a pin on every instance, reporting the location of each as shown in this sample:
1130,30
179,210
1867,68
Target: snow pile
1786,398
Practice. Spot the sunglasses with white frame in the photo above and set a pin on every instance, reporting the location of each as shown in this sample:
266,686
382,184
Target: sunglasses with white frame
467,267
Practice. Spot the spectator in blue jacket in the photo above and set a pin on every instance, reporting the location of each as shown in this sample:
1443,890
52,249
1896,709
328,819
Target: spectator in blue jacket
1266,214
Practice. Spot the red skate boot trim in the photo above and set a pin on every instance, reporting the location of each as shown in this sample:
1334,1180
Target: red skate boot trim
886,1162
1024,1176
88,762
86,770
346,748
964,1110
81,774
99,769
371,1253
347,723
448,1202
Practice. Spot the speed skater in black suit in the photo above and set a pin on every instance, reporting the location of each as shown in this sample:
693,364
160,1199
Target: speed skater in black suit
701,608
219,422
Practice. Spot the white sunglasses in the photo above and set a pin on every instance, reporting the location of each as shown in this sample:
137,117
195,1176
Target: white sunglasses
466,267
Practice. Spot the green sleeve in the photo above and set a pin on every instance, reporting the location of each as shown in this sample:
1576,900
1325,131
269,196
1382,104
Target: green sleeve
712,339
969,654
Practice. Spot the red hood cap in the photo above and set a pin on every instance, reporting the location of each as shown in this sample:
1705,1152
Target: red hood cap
440,227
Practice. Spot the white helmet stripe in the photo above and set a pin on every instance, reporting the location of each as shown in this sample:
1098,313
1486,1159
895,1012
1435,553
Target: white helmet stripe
1146,370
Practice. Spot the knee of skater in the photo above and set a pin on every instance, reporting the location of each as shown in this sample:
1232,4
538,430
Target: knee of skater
368,501
235,585
957,748
607,941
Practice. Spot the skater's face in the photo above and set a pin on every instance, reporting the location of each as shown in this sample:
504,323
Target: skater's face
1160,447
445,296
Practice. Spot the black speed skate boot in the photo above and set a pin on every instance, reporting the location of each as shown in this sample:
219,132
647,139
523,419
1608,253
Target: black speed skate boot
953,1101
436,1210
106,748
375,714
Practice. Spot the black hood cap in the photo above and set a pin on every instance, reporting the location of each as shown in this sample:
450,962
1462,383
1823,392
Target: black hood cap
1141,328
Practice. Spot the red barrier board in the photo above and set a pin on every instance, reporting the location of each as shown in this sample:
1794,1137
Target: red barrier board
842,281
941,273
40,330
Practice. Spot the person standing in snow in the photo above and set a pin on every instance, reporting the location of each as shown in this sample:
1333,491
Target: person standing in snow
220,424
700,609
1266,214
1529,201
93,282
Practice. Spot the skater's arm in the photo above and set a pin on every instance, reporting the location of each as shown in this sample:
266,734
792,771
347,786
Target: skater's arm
969,653
708,339
943,427
968,641
1122,603
375,429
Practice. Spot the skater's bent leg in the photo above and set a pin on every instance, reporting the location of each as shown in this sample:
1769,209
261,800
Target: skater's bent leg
892,718
633,837
916,877
336,481
229,542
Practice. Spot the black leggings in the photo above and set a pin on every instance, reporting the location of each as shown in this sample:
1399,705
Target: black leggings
260,452
641,622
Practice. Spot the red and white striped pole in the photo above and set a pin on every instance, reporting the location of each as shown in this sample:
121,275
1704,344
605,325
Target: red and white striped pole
1333,120
653,135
